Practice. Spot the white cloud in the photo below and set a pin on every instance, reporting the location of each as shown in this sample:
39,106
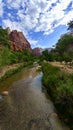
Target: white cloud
47,20
48,32
67,18
1,8
14,3
33,42
15,26
37,15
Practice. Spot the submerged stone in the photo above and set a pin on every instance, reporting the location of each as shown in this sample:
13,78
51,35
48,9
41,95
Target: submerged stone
5,93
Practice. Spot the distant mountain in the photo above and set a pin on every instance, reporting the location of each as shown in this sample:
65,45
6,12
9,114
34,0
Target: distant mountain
37,51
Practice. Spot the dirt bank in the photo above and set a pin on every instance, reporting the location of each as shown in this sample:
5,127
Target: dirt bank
63,67
4,69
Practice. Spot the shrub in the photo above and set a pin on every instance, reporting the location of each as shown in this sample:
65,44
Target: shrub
59,86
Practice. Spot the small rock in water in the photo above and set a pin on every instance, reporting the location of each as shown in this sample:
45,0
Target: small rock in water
1,97
5,93
53,114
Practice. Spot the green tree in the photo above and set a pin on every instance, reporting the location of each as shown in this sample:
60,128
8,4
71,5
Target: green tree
28,56
70,26
45,55
64,47
4,38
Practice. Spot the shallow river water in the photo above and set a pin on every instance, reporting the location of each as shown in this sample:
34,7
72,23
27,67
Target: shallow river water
27,106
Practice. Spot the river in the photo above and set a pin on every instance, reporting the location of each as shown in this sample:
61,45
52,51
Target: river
27,106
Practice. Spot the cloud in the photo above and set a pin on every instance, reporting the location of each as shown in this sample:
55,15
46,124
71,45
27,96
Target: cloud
37,15
33,42
15,26
55,17
67,18
15,4
1,8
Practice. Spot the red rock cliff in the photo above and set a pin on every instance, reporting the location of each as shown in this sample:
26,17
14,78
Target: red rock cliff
18,41
37,51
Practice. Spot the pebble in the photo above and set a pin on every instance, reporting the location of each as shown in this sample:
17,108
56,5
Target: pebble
53,114
1,98
5,93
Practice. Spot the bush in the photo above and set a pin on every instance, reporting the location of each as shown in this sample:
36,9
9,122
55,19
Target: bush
4,37
59,86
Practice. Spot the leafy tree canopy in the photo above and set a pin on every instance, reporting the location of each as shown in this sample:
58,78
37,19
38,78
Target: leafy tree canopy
70,26
4,37
64,42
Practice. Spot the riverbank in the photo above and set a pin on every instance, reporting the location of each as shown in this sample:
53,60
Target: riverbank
4,69
63,66
59,85
27,106
9,70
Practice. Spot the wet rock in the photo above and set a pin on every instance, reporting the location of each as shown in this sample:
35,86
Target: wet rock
53,114
4,93
1,98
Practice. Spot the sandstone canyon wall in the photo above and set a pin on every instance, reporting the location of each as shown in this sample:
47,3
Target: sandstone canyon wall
18,41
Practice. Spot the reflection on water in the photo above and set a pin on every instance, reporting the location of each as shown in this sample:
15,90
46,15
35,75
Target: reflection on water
26,107
20,75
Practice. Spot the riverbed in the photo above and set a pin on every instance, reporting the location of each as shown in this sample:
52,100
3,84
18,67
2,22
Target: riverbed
27,105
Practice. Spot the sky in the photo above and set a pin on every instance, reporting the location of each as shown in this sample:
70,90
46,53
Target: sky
41,21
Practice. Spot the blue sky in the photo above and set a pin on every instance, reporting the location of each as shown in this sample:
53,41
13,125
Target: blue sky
41,21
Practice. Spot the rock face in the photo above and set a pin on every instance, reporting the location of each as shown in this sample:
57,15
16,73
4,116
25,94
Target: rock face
37,51
18,41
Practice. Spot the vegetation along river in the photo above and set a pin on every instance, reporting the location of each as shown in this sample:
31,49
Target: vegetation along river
27,106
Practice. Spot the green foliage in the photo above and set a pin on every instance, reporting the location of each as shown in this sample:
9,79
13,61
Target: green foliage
10,57
64,48
11,72
4,56
64,42
48,56
62,52
70,26
28,56
59,85
4,37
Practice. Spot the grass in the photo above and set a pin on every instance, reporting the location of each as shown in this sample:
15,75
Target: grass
11,72
59,86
